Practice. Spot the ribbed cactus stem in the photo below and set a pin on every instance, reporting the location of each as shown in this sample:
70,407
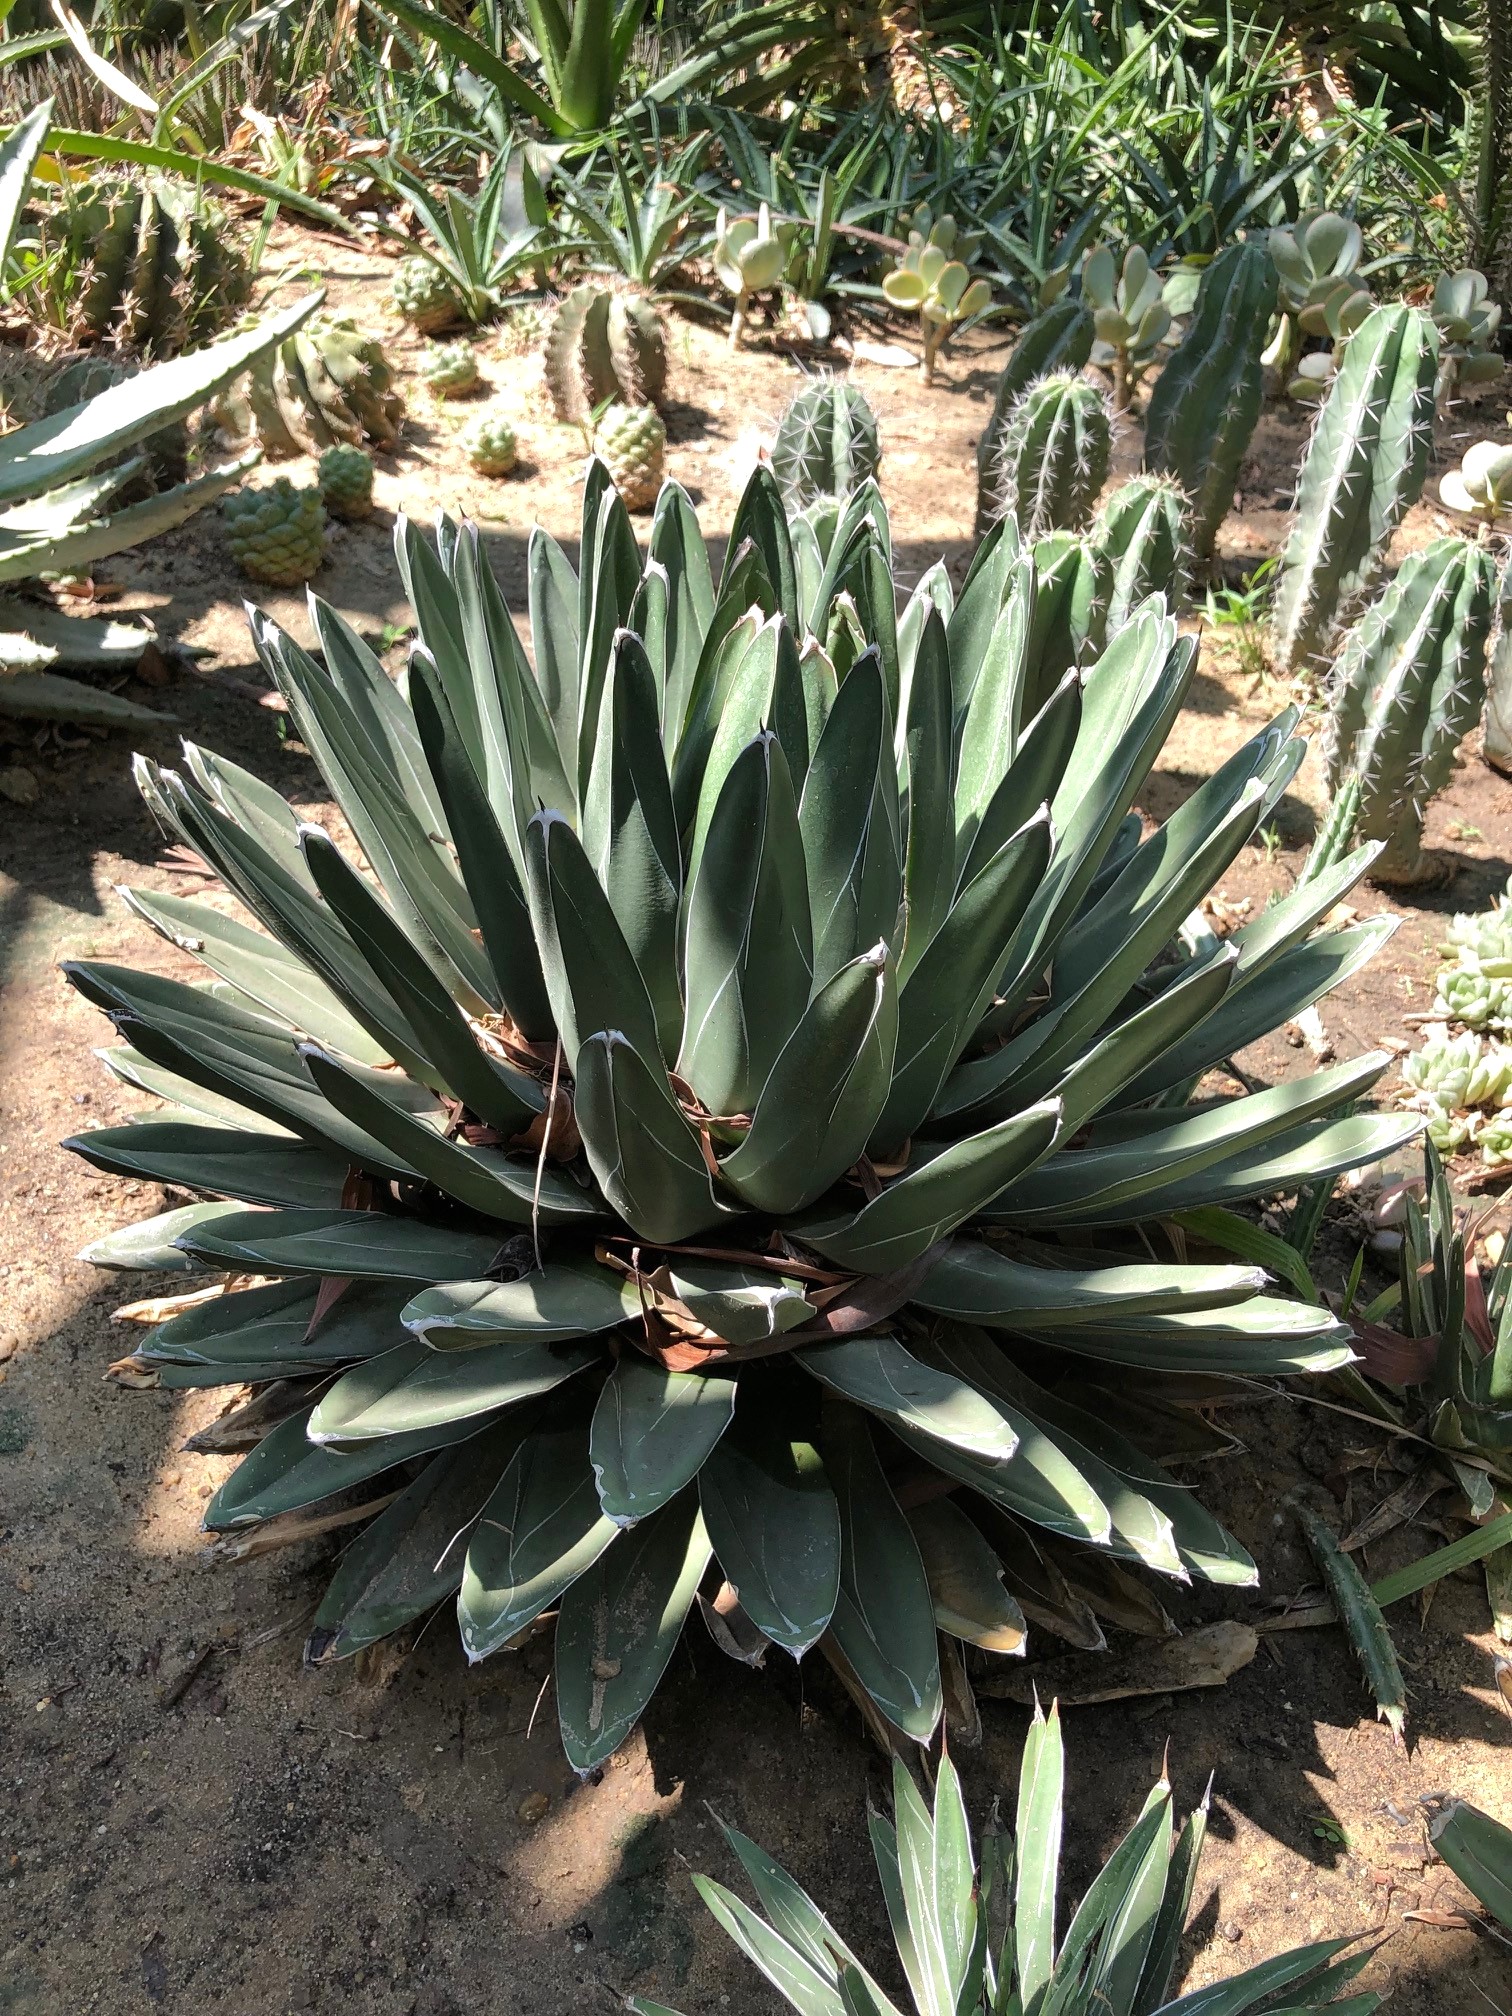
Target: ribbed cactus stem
1407,688
827,443
1498,744
1059,339
1335,837
1203,409
1365,466
1051,459
1142,530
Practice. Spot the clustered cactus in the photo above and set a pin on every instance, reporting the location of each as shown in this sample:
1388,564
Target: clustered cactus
828,443
632,441
326,384
604,344
345,475
490,445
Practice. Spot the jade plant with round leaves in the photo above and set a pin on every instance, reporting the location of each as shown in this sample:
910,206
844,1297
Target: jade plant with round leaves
700,1149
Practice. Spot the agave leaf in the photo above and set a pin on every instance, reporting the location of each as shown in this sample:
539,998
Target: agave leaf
965,1579
567,1299
553,601
630,830
747,950
921,1207
989,732
279,1321
648,1161
677,545
825,1092
884,1616
591,975
1165,1942
879,1374
1109,1933
934,1921
411,1557
1258,1987
849,821
19,152
775,1526
152,1246
929,869
747,706
790,1972
412,1387
540,1530
976,1282
369,1245
619,1624
226,1161
1479,1851
652,1432
1032,778
1123,1052
44,696
1037,1834
287,1471
761,517
73,548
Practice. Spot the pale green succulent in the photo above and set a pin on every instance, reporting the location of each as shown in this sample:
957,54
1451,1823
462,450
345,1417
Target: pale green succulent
1483,940
937,286
1469,322
1451,1131
1313,258
750,257
451,369
1341,310
698,1149
1444,1066
984,1940
1128,313
1467,995
1482,485
1494,1141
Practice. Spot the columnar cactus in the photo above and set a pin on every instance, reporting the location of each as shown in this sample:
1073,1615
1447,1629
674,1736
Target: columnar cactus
827,443
1497,747
1204,407
1365,465
1128,312
1058,339
1406,689
604,345
1142,530
1050,460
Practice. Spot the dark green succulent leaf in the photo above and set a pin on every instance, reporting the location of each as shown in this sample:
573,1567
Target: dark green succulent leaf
793,1912
540,1530
652,1431
969,627
648,1160
258,1168
133,1069
746,709
744,605
505,1098
619,1623
257,1325
412,1387
1031,778
1309,1154
775,1527
849,820
761,517
568,1298
369,1245
1149,1032
1258,1987
411,1557
287,1472
965,1579
153,1245
989,733
936,1195
884,1614
976,1282
607,581
630,830
825,1092
677,547
929,876
591,974
487,863
743,1305
748,955
805,1986
553,599
879,1374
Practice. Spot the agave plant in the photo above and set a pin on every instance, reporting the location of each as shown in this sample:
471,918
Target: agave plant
981,1941
712,1132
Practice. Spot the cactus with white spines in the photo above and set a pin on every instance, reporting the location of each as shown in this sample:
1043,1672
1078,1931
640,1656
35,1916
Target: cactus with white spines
1365,465
827,444
1051,459
1203,409
1058,339
604,345
1406,689
1143,531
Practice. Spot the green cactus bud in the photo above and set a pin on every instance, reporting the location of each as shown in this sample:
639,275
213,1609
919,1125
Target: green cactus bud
490,445
1406,689
451,369
604,345
1206,402
1058,339
1365,465
827,443
346,481
1142,529
1051,459
276,534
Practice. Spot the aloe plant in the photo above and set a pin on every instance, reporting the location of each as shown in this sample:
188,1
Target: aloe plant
624,1147
57,474
979,1936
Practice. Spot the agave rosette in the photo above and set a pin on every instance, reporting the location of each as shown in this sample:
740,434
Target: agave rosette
700,1155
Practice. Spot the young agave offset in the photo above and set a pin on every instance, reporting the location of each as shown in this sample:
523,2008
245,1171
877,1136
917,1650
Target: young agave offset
666,1156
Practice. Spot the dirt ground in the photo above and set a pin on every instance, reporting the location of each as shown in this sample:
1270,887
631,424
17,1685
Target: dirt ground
190,1822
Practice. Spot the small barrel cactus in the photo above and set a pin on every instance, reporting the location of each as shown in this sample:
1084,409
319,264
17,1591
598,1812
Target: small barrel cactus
604,345
326,383
346,481
933,280
1407,687
276,534
425,296
633,442
1142,529
451,369
1128,313
1481,487
490,445
1365,466
749,257
827,443
1051,459
1207,399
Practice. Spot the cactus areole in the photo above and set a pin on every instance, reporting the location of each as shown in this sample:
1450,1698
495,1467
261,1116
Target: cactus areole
704,1155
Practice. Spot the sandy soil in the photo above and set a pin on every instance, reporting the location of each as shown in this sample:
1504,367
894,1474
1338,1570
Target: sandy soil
190,1822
